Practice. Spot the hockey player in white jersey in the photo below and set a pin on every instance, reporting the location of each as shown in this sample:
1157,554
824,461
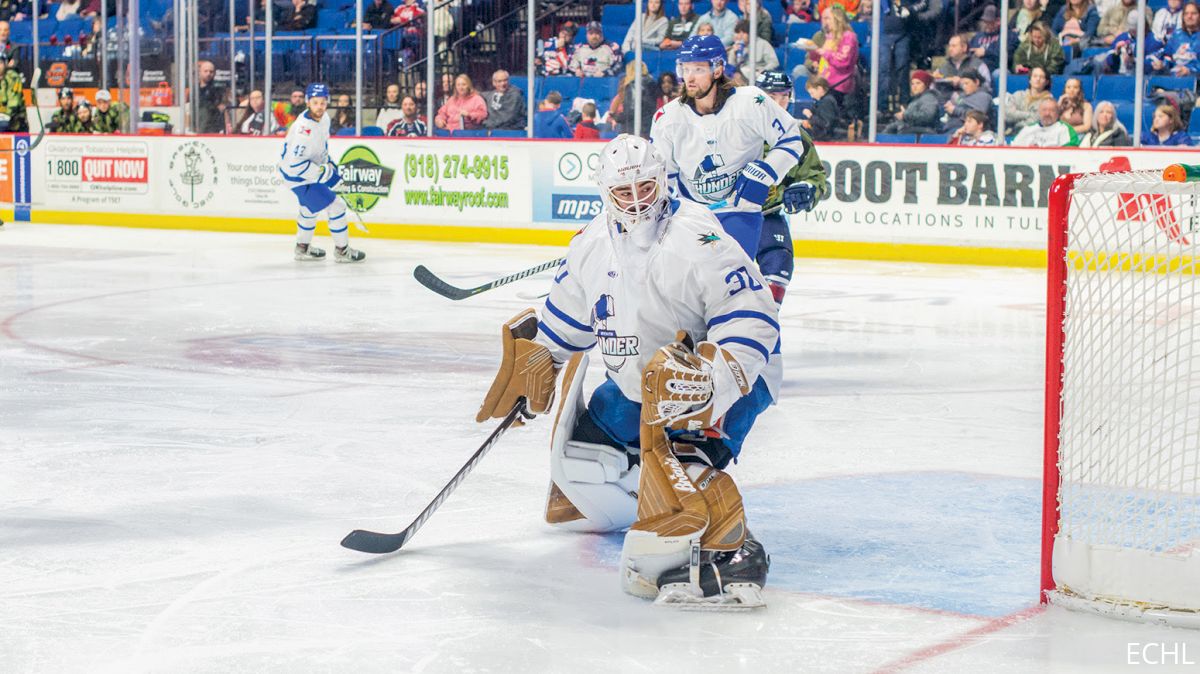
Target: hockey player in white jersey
689,334
712,140
306,168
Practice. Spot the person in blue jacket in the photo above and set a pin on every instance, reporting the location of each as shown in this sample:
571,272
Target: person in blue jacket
1179,55
1166,128
548,122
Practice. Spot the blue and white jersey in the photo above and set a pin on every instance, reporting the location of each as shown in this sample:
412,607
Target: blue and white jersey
706,153
630,301
305,150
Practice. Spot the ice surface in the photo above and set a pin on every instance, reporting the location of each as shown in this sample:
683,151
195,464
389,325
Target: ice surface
190,422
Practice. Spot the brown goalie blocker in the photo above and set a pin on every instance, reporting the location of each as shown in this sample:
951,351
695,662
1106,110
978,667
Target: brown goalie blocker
526,370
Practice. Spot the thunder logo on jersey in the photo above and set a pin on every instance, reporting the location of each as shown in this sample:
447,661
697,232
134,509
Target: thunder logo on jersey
616,348
708,180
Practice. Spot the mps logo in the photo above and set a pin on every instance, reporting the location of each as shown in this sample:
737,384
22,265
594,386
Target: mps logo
615,348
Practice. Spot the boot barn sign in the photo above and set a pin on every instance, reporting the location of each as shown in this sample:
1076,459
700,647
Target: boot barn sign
918,194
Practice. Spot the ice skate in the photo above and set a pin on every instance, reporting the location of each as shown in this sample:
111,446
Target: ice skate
725,581
348,254
306,252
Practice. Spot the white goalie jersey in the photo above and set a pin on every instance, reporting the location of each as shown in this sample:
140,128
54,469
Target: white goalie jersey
706,153
630,302
305,151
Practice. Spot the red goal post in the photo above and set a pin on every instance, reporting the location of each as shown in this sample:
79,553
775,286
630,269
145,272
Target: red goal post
1121,491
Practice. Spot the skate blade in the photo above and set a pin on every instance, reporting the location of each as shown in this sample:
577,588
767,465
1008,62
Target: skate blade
738,597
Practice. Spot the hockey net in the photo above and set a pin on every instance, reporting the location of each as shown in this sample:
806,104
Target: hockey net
1121,517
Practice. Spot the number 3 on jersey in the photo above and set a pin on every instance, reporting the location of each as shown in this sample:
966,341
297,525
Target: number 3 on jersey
739,279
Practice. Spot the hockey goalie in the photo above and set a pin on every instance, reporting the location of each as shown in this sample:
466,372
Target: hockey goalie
689,334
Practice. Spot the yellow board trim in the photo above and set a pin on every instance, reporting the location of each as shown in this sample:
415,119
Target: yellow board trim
843,250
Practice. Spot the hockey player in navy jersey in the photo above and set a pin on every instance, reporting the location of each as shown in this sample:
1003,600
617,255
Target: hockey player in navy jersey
712,140
800,190
306,168
689,334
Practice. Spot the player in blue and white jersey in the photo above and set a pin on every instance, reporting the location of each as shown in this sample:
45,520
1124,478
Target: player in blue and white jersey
307,170
712,140
689,334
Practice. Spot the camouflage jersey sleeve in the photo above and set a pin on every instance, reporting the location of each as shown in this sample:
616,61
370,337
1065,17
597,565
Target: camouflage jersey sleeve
809,170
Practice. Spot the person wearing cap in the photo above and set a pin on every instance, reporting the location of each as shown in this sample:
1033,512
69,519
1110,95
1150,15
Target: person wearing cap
306,168
12,99
722,21
64,120
83,115
970,97
106,118
985,44
596,58
924,110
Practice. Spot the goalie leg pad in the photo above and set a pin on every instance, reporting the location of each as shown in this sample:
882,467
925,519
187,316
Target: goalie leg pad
593,486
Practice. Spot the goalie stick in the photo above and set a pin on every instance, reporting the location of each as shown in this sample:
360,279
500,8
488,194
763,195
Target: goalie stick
439,286
379,543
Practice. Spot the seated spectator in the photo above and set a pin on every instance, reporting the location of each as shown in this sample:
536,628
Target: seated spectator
985,45
286,113
923,112
1076,23
738,53
970,96
390,110
341,115
1037,50
1123,56
586,129
1167,19
1021,18
1021,107
302,17
836,56
973,131
409,123
799,11
1107,130
66,10
851,8
253,119
407,15
704,28
15,10
1178,55
83,118
824,120
948,77
1050,131
505,104
621,110
464,110
110,118
548,122
681,27
722,20
1166,128
377,14
8,51
64,119
554,54
654,28
596,58
766,25
419,94
1073,108
668,85
1112,23
12,100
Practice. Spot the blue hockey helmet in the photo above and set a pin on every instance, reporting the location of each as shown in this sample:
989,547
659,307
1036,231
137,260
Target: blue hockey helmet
774,82
701,49
315,90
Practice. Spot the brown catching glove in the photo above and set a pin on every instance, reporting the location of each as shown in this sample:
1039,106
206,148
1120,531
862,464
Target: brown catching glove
527,370
678,384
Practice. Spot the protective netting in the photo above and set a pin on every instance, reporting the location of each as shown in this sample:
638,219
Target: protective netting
1129,445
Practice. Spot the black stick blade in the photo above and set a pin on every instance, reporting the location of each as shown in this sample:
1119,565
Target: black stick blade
437,285
374,542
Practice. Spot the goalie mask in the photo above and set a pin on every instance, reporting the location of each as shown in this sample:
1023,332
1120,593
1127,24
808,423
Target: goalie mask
632,178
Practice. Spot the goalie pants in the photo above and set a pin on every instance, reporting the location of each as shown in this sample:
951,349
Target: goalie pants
620,419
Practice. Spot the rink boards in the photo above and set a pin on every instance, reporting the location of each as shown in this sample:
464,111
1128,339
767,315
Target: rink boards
886,202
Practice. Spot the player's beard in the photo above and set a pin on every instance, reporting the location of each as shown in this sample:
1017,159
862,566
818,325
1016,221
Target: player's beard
709,90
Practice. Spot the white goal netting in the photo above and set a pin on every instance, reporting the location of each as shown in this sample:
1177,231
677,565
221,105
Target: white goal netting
1129,441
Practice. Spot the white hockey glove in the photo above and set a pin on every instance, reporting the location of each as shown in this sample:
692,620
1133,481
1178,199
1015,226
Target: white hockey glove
678,385
330,176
